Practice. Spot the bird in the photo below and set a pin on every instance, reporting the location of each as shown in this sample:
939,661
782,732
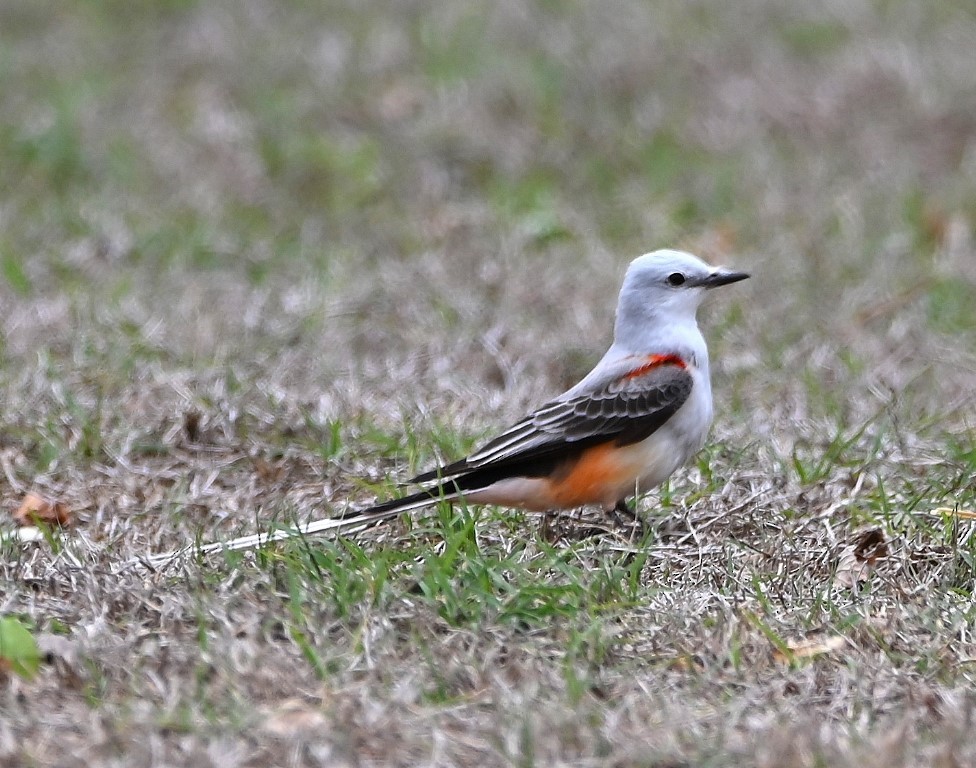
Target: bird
642,412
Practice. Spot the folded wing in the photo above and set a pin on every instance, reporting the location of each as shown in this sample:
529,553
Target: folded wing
627,409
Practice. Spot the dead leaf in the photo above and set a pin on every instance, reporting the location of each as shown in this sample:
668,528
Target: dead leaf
850,570
808,649
267,471
859,557
686,663
293,718
36,509
871,545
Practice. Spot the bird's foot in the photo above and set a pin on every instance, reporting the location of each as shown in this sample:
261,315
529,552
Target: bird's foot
627,521
558,526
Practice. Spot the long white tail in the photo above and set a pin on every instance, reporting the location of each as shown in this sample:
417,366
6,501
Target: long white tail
359,522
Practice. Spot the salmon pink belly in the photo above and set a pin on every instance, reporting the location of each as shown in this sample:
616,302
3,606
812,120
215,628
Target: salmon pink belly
602,475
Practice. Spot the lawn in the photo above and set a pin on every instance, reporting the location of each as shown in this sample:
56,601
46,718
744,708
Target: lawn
260,262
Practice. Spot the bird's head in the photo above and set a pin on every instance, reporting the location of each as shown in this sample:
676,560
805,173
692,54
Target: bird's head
673,281
662,291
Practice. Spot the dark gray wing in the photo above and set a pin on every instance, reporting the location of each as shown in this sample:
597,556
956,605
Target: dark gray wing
627,410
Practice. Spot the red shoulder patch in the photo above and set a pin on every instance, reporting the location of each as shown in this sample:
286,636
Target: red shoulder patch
655,361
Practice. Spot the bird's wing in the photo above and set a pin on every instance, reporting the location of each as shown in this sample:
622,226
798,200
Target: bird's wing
627,408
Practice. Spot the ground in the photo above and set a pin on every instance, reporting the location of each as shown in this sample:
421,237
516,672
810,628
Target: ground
261,261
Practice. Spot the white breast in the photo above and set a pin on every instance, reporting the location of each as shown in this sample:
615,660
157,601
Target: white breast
681,437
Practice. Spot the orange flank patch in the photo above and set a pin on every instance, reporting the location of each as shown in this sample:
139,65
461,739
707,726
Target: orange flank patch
597,477
655,361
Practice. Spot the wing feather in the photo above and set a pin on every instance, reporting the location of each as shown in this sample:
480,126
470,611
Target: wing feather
626,409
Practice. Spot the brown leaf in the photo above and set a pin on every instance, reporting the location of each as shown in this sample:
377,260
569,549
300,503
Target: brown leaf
36,509
686,663
807,649
267,471
859,556
293,718
870,545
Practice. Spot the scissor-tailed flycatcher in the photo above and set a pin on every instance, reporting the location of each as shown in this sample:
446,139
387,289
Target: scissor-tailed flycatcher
641,413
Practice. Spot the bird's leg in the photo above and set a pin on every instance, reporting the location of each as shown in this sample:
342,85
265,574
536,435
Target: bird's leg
621,510
628,518
545,526
547,531
557,524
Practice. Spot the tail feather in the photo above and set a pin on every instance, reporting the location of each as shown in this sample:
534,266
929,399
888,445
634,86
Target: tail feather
439,473
354,523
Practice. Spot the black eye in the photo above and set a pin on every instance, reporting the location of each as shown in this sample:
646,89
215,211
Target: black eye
676,278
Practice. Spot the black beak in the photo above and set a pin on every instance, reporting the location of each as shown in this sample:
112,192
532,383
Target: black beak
722,277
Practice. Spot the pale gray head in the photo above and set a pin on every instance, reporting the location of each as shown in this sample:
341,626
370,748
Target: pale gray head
663,289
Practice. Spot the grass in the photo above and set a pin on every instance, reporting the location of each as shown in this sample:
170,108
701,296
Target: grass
259,263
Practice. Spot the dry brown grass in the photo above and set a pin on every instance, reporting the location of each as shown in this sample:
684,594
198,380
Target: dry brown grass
258,261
